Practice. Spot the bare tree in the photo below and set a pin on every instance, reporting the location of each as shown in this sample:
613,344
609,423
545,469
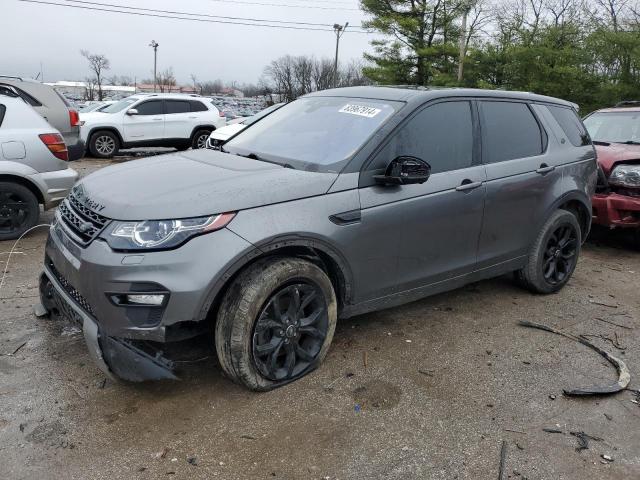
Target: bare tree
166,80
90,91
98,64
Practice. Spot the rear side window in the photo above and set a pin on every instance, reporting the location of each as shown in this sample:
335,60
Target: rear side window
509,131
177,106
197,106
3,109
152,107
441,135
571,125
28,98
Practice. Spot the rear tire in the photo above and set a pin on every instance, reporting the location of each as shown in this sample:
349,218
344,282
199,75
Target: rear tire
554,254
199,139
19,210
104,144
275,323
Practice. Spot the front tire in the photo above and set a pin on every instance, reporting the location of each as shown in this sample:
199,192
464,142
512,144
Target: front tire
199,139
104,144
554,254
275,323
19,210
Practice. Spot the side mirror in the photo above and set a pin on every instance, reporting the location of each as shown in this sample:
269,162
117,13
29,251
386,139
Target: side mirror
132,111
405,171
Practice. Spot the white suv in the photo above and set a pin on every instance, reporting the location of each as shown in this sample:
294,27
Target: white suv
151,120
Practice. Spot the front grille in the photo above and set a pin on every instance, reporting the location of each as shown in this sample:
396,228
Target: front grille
79,299
82,222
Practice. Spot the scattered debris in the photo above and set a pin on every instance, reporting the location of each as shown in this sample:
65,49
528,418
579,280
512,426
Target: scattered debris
357,408
364,359
102,384
607,458
192,461
615,342
22,425
608,417
248,437
552,397
624,376
520,447
142,469
583,440
162,453
503,459
428,373
552,430
603,304
613,323
515,431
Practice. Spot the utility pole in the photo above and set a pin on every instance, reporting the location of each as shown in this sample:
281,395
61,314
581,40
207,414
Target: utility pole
463,42
155,46
339,31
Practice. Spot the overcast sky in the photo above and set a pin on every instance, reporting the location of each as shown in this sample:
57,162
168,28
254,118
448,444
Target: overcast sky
32,33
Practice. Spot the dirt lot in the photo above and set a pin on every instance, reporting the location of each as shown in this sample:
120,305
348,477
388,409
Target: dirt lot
446,381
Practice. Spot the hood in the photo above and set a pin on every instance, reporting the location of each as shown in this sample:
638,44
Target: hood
89,116
609,156
227,132
196,183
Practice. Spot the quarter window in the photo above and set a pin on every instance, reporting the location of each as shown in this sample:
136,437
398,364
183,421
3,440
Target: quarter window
509,131
197,106
152,107
177,106
571,125
441,135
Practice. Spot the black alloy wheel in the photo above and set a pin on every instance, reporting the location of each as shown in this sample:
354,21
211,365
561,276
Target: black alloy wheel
290,331
560,255
19,210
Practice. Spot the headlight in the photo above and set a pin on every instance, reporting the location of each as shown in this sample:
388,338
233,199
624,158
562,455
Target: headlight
161,234
625,176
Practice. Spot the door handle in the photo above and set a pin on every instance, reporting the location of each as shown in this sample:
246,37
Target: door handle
544,169
193,117
157,119
467,185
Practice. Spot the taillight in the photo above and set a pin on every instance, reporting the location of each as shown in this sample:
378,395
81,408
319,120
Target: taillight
55,144
221,113
74,118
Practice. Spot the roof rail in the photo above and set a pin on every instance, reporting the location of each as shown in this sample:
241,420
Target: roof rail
628,103
11,76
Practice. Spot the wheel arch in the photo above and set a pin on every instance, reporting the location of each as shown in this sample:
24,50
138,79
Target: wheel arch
579,204
25,183
201,127
101,129
316,251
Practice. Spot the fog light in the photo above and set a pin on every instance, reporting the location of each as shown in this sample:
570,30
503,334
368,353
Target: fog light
145,299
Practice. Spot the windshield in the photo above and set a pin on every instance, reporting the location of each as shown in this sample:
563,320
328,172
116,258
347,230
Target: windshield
617,127
317,134
262,114
121,105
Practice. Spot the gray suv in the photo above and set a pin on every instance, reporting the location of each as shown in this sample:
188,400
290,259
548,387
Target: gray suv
342,202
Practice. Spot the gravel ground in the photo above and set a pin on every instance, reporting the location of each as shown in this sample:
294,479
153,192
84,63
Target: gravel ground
430,390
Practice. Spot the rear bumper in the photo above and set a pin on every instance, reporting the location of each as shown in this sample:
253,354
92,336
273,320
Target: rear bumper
614,210
55,185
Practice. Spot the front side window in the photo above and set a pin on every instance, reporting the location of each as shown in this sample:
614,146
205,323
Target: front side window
617,127
152,107
441,135
509,131
319,134
177,106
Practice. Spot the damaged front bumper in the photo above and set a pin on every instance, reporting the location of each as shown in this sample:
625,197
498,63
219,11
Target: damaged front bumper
615,210
116,357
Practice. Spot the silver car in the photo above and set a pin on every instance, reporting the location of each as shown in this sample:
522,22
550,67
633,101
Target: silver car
342,202
34,168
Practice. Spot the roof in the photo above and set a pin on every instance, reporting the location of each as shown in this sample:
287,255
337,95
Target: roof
410,93
171,95
618,109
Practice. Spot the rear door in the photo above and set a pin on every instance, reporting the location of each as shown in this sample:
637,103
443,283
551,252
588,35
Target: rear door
148,124
523,180
416,235
178,119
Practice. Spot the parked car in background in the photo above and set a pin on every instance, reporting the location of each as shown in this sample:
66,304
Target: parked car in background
616,135
342,202
95,107
34,168
55,109
220,136
151,120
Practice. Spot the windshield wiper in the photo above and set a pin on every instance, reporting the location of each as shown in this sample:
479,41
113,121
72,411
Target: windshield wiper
630,142
601,142
254,156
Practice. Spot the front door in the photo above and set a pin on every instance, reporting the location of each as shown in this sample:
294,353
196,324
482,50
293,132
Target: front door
418,235
147,125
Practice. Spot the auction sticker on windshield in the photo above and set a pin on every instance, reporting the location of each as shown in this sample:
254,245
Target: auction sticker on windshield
360,110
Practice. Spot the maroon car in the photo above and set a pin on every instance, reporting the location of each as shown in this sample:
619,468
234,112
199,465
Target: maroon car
616,135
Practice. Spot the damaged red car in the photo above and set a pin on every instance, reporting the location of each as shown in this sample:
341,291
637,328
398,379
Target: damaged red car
616,136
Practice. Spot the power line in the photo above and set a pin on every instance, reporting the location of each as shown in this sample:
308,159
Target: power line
287,5
172,17
195,14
